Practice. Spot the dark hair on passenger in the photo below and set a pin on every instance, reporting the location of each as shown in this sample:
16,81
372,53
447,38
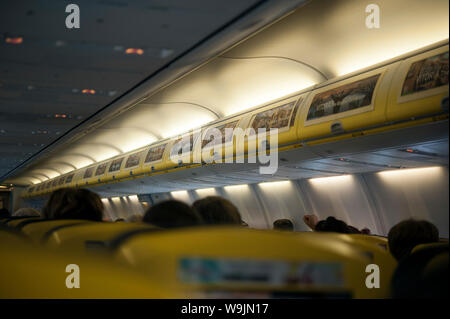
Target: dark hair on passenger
332,224
71,203
4,212
172,214
216,210
283,224
407,234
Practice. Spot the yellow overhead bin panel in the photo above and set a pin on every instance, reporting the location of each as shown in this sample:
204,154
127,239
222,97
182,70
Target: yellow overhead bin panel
61,181
55,183
114,167
156,157
48,187
231,261
217,141
282,115
30,191
419,85
87,176
133,163
91,237
182,149
70,180
98,173
352,104
37,189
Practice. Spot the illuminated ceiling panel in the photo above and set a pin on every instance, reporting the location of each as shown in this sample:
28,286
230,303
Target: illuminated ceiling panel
332,35
320,41
221,86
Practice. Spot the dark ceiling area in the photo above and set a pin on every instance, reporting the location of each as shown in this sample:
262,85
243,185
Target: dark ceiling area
52,78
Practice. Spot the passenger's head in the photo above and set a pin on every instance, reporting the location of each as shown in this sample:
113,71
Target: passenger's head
70,203
216,210
26,211
4,212
283,224
407,234
332,224
172,214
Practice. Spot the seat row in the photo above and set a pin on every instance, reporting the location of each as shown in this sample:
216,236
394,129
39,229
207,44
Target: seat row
188,263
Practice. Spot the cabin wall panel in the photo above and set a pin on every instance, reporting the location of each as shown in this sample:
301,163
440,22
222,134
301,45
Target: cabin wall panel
420,194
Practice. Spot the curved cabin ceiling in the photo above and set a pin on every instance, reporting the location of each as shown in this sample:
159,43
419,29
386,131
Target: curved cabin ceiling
319,41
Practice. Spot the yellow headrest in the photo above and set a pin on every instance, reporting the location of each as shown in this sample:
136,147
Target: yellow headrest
203,261
428,246
90,236
32,272
37,230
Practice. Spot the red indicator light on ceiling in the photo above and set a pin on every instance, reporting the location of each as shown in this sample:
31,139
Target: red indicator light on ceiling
134,51
410,150
88,91
16,40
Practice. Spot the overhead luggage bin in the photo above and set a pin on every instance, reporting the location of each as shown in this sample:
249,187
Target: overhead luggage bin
91,237
133,163
282,115
40,230
217,141
227,262
156,157
99,173
37,273
420,86
88,177
180,152
347,105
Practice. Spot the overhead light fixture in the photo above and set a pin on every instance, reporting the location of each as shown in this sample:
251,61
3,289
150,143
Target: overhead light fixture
330,179
410,172
134,51
206,191
60,116
14,40
88,91
179,192
274,184
236,187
